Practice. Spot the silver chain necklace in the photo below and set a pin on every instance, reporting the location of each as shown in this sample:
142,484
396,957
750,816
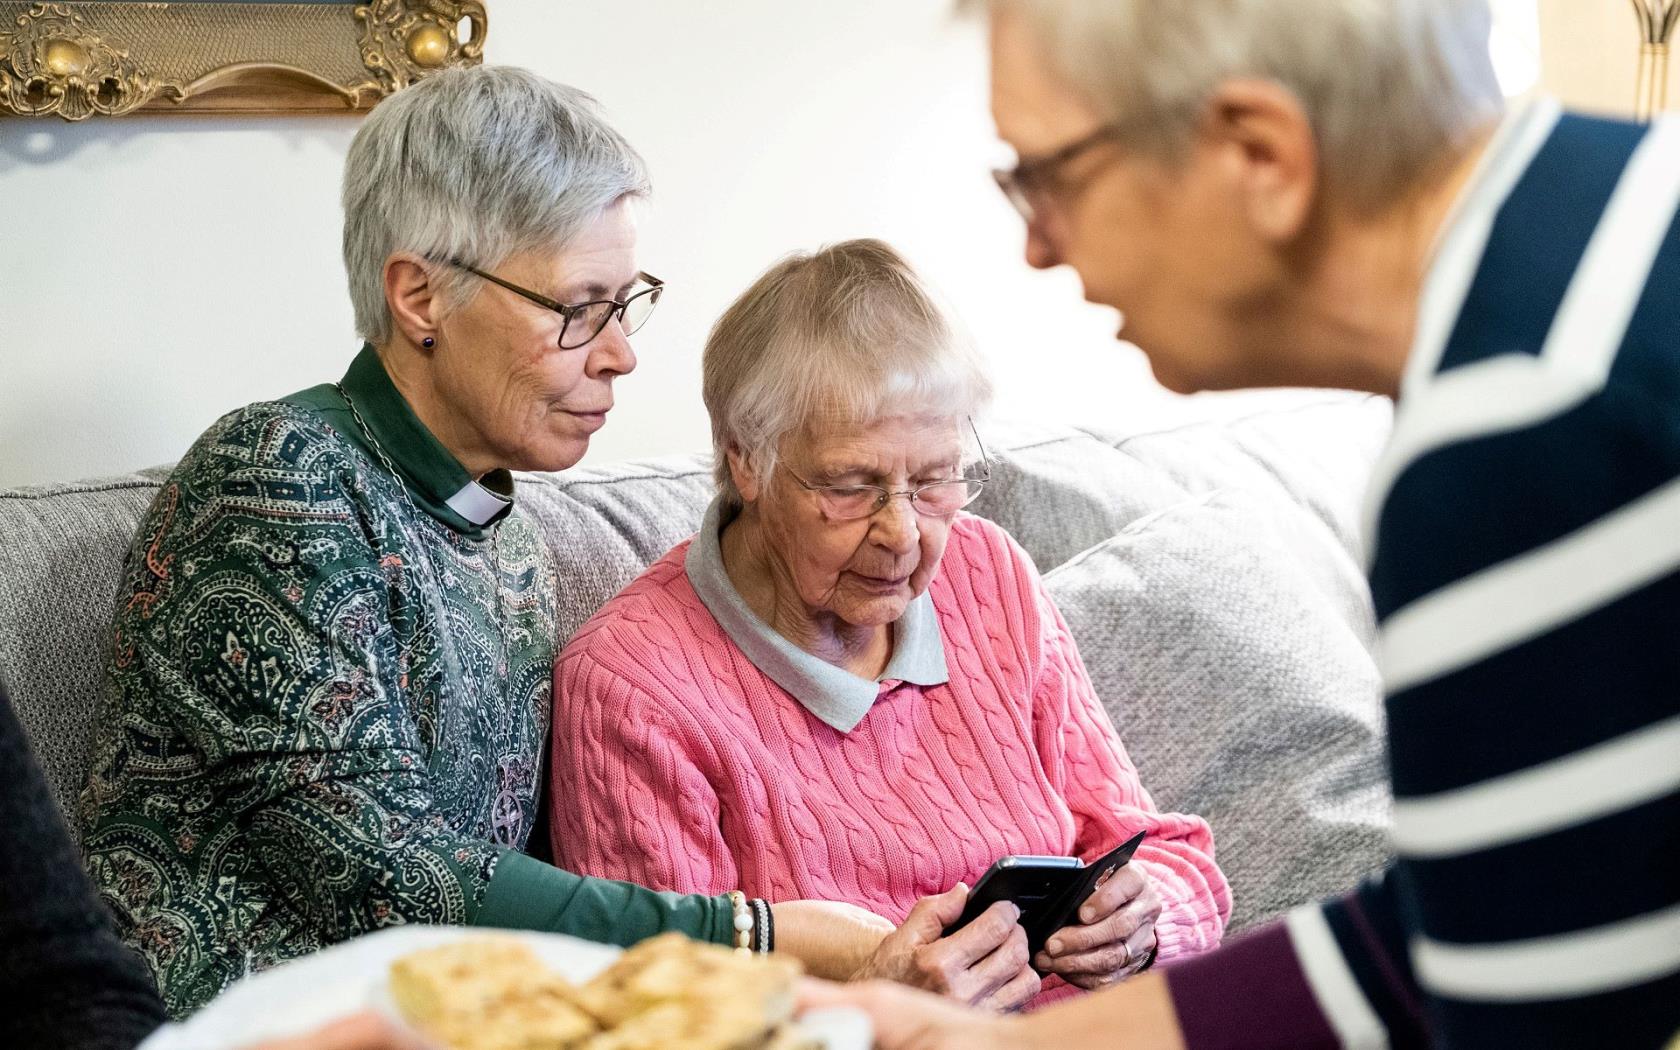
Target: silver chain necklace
425,551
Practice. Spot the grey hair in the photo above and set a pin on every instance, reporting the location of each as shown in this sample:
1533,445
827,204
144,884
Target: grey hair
1392,87
476,164
847,333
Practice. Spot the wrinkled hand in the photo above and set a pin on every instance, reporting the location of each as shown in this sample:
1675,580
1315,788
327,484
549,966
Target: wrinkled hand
364,1031
905,1019
1114,935
984,964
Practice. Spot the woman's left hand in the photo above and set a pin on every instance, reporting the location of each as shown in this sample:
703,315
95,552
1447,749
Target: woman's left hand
1114,936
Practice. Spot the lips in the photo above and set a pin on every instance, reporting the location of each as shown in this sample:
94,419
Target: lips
594,419
879,583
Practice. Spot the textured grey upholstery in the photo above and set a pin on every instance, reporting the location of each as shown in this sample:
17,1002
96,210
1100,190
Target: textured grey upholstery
1060,490
1217,633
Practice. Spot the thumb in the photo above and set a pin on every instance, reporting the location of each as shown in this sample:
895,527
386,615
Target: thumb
928,919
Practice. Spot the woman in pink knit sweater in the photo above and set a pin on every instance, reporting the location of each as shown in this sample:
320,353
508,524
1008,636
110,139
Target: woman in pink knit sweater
842,687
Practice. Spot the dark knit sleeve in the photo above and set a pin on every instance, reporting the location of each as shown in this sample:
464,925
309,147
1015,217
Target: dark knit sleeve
69,981
1321,978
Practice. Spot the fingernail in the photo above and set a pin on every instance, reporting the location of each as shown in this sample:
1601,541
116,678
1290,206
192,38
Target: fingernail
1086,915
1055,946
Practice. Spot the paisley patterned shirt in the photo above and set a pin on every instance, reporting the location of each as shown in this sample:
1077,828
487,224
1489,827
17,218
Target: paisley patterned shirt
326,703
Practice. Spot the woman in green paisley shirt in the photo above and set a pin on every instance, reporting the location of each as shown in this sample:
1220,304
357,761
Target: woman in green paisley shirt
334,638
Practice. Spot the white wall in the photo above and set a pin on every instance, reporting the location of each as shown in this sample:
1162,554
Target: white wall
157,271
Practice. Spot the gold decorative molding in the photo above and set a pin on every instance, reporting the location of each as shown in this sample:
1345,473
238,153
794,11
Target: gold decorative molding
77,59
1657,19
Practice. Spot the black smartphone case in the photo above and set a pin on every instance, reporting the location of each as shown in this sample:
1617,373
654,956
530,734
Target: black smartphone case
1047,915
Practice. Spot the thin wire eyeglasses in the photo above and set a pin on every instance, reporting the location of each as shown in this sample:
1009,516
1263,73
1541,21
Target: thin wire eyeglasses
1029,183
937,499
590,317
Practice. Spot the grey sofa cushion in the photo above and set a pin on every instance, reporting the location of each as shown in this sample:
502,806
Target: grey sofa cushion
61,553
1059,490
606,524
1228,636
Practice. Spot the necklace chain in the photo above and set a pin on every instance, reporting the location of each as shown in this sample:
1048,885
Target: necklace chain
425,552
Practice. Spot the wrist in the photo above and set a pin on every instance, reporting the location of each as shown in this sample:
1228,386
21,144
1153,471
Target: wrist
833,941
751,925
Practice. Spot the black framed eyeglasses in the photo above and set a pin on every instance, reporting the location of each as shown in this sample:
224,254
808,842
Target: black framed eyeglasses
1029,182
582,322
936,499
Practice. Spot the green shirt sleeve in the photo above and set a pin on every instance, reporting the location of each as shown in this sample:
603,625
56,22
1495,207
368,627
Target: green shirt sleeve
527,894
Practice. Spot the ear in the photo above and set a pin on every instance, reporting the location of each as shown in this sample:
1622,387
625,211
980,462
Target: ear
1266,146
744,477
412,297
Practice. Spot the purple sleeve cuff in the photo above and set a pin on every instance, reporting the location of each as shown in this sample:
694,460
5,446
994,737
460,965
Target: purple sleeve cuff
1250,994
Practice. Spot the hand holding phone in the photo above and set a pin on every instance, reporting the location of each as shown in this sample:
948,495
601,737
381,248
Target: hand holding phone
1111,936
1048,890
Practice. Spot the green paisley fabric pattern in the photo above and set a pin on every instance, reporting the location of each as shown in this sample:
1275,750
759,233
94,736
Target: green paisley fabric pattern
325,710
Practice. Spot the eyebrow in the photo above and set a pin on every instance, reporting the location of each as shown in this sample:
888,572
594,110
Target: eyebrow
840,470
595,290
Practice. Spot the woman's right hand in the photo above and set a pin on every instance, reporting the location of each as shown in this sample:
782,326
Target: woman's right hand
984,964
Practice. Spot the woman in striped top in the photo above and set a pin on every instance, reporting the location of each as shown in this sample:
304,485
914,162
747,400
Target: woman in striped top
1315,192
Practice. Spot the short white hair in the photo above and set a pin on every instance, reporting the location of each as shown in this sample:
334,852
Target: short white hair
1392,87
848,333
475,164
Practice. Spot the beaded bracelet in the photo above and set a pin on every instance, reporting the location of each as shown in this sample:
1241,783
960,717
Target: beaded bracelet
743,922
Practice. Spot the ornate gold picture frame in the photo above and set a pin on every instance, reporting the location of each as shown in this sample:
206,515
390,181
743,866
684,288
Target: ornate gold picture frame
77,59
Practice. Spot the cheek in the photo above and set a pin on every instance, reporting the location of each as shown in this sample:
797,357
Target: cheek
546,374
932,550
821,557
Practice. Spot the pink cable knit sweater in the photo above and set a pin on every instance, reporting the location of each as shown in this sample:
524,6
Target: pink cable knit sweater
679,765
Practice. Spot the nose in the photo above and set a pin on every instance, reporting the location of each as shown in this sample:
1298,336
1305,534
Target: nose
1040,249
610,353
895,526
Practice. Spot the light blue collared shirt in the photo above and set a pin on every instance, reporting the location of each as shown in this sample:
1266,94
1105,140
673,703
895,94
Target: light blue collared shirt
834,694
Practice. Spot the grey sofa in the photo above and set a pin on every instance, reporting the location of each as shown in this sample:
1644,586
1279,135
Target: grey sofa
1209,574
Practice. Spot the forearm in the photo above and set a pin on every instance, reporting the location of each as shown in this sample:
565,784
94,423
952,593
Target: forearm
832,940
527,894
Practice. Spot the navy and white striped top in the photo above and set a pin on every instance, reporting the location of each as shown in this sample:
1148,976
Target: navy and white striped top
1524,535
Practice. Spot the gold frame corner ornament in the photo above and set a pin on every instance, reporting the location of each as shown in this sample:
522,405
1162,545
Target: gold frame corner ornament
75,59
403,40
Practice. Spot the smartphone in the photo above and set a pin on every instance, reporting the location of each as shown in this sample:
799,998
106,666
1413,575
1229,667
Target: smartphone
1048,890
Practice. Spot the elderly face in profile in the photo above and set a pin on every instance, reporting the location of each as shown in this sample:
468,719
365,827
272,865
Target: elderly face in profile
503,333
1255,186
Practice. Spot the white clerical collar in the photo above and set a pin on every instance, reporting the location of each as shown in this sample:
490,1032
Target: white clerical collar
478,504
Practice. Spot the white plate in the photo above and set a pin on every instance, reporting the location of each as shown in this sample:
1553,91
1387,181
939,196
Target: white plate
307,993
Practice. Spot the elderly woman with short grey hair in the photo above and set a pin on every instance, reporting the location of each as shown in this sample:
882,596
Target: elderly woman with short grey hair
330,671
843,687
